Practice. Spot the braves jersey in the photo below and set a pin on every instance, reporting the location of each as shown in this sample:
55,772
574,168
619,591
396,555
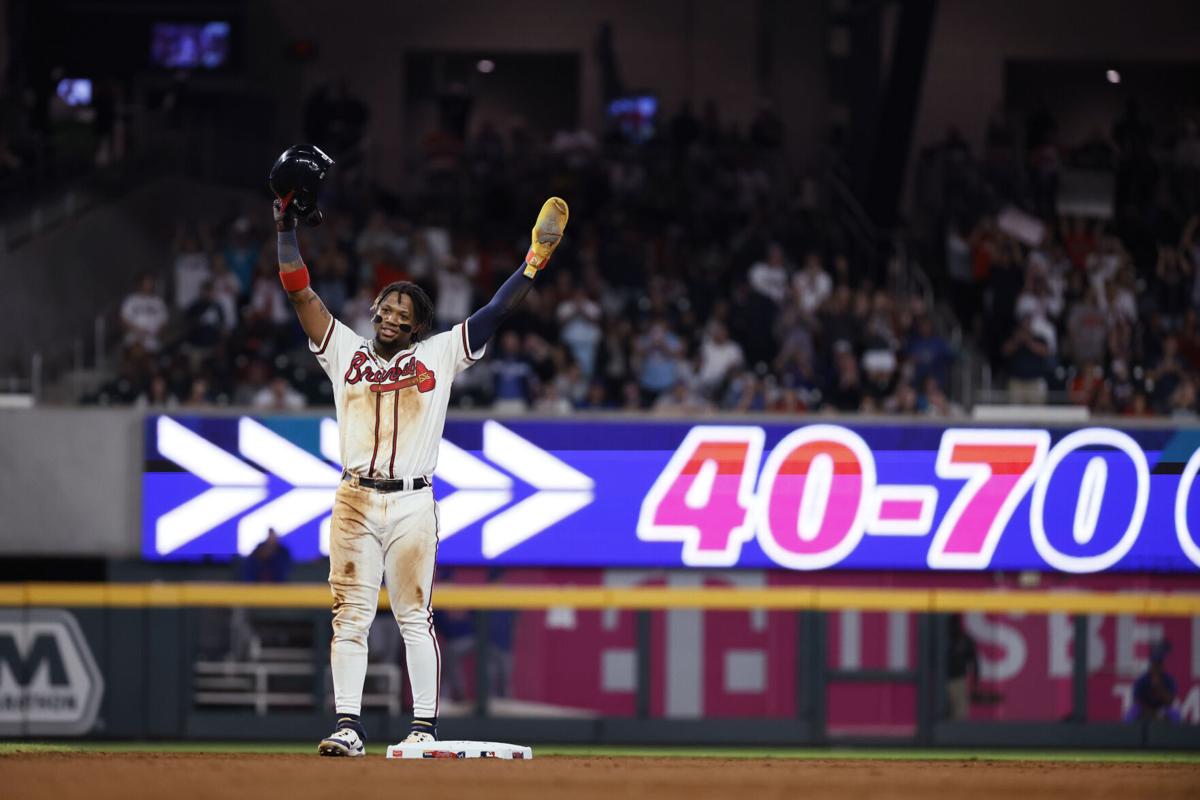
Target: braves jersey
391,413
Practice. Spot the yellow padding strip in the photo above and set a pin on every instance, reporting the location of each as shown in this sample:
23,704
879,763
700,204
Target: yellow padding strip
777,598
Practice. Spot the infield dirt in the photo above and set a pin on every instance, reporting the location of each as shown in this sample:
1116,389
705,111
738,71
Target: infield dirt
99,776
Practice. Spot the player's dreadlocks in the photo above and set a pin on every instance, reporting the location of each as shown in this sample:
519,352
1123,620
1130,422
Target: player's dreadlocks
422,305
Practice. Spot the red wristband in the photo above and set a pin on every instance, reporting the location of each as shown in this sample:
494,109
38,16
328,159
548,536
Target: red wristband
295,280
534,260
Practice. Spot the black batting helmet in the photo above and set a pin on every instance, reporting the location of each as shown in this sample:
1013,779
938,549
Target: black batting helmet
296,179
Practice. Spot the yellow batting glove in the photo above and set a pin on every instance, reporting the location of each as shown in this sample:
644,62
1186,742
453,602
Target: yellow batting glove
547,233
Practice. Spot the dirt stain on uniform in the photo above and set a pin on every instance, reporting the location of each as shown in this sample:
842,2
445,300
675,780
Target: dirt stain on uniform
409,407
353,506
359,419
407,576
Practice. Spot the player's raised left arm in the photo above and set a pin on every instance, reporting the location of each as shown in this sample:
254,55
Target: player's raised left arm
547,233
314,317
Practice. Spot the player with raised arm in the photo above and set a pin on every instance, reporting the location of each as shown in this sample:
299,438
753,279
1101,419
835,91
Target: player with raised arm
391,394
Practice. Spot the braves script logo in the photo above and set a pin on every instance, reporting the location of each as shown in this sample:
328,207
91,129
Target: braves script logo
413,373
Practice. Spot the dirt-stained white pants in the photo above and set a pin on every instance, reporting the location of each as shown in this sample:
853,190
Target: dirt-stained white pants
373,535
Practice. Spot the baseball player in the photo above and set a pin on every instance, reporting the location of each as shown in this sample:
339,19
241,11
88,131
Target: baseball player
391,394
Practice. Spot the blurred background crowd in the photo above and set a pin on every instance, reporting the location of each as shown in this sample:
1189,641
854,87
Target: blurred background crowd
698,278
724,255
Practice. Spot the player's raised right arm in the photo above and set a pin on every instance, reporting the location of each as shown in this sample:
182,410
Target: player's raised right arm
314,317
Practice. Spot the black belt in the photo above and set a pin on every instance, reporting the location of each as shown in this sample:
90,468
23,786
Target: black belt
383,485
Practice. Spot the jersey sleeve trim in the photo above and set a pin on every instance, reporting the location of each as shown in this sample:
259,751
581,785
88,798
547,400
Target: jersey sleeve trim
467,344
325,340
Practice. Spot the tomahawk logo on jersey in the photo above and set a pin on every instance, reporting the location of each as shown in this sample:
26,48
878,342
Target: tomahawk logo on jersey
391,413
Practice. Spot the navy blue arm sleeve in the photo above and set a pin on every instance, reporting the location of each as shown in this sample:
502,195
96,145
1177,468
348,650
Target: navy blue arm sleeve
483,323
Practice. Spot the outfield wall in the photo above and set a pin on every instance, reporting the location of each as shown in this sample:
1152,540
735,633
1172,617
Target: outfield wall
616,656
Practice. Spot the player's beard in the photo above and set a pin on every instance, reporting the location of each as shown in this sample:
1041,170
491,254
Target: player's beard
389,347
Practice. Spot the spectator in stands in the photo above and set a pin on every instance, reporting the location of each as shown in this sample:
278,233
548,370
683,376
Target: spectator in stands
144,315
1087,326
656,356
681,399
1079,241
130,383
1105,262
1173,274
796,374
846,392
879,365
719,357
958,269
552,401
254,381
267,313
513,375
812,286
579,318
1005,283
1088,379
769,277
452,302
357,315
1183,401
241,254
1027,353
1166,375
330,273
929,353
1038,298
570,381
903,401
837,321
199,395
1189,245
225,292
1189,340
748,392
157,394
278,395
192,268
204,319
934,402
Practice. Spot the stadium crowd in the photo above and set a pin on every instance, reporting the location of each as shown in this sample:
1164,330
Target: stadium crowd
1090,297
701,276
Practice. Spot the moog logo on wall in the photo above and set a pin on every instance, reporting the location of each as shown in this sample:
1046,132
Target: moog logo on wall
654,494
49,682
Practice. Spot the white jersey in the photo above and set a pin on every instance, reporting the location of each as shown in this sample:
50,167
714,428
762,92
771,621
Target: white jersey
391,413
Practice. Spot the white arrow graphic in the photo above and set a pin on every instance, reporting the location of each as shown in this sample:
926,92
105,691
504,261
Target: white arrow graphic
562,490
529,462
213,465
481,489
315,481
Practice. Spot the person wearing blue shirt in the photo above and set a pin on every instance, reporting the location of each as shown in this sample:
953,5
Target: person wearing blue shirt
1154,691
